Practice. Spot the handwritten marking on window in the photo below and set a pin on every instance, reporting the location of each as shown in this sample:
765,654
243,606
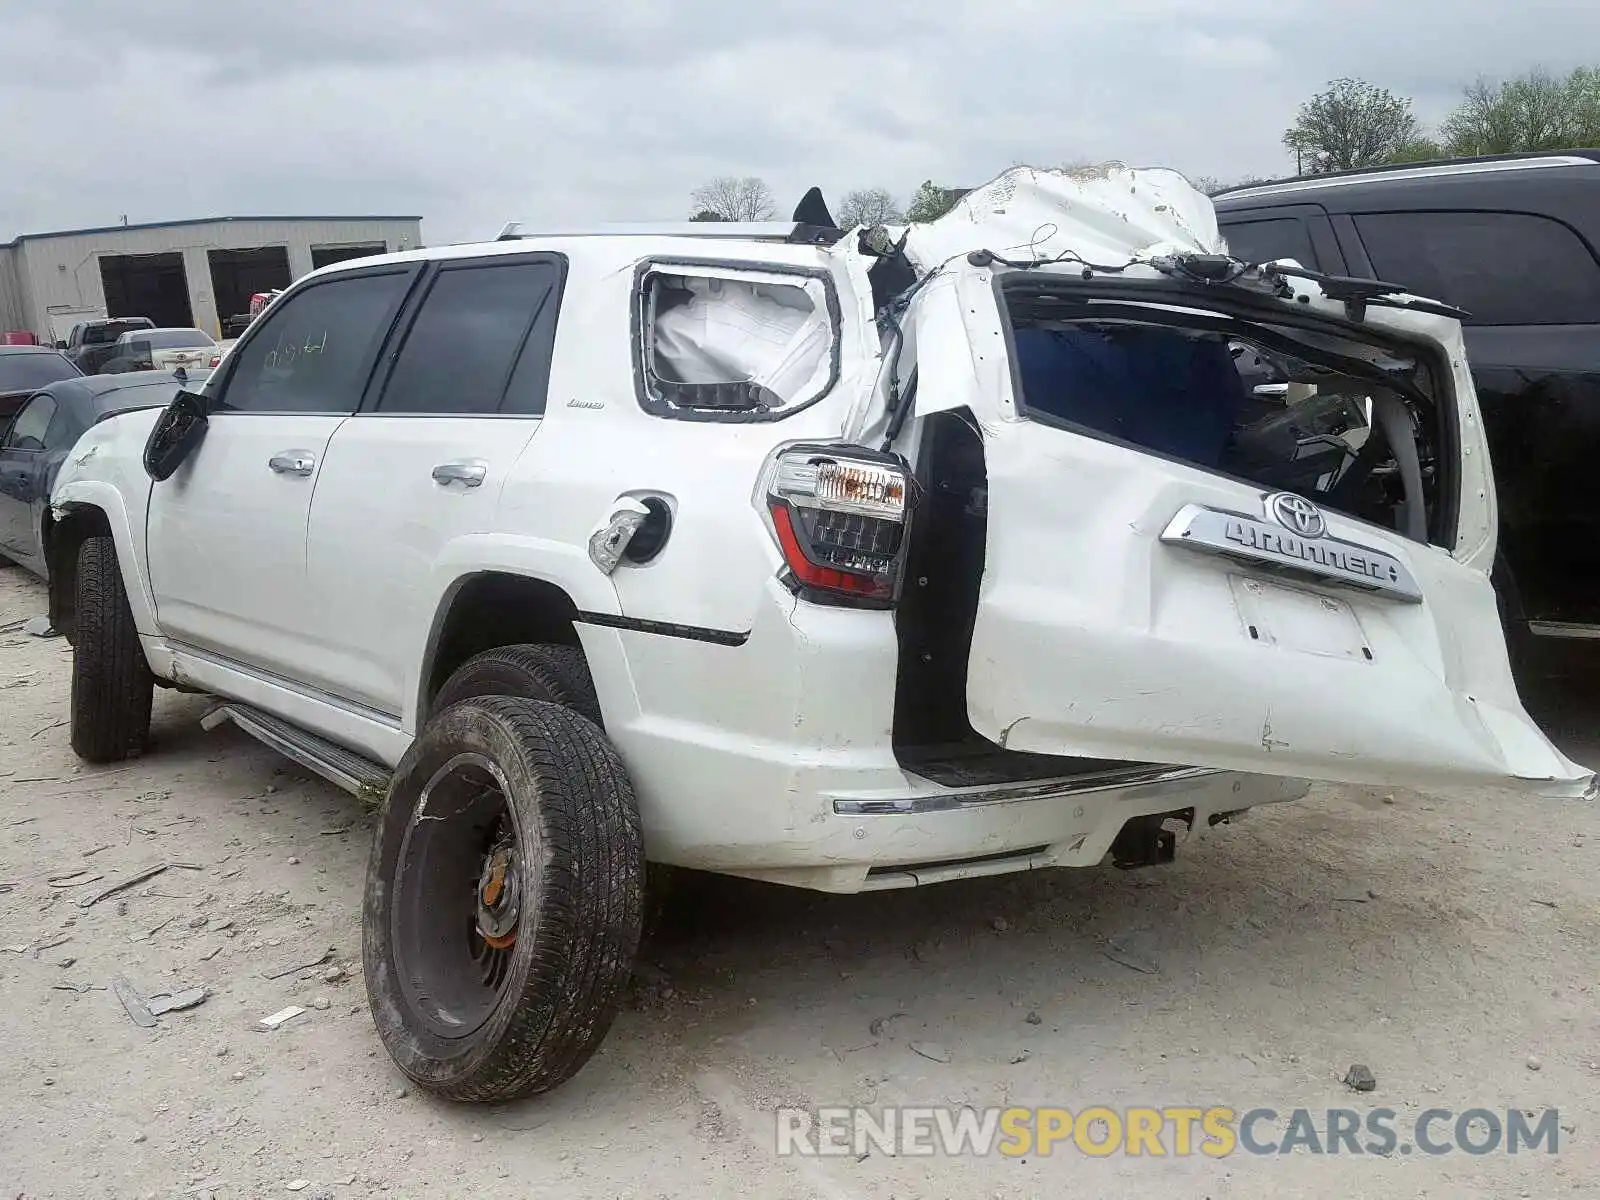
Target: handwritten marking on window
286,353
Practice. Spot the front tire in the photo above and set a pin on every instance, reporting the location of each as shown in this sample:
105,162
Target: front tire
504,900
112,685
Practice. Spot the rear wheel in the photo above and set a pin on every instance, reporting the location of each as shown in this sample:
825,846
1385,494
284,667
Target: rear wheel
112,686
558,674
504,899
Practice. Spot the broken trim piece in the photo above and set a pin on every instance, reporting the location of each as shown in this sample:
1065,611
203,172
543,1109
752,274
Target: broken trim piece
692,633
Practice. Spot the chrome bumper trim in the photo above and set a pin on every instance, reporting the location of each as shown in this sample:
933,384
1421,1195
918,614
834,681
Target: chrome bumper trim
1564,629
1019,793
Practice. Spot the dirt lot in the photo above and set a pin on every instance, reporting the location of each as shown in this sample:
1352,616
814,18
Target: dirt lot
1450,943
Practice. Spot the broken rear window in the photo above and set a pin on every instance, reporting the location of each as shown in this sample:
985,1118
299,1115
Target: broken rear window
1342,420
726,344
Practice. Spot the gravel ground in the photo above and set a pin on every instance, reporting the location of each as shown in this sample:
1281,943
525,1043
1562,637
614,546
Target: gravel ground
1450,943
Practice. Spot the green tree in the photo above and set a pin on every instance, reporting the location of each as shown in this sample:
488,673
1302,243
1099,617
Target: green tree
1351,124
1419,149
1533,112
932,201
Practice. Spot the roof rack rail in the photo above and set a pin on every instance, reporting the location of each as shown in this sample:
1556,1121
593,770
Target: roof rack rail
1424,169
791,232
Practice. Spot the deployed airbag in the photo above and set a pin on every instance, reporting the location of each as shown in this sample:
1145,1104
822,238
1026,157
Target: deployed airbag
709,332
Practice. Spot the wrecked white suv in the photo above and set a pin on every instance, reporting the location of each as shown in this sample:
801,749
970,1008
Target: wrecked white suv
849,561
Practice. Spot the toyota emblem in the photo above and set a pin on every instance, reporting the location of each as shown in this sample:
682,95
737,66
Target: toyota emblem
1297,514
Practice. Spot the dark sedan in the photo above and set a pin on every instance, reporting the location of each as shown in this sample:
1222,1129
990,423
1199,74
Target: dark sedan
37,441
26,369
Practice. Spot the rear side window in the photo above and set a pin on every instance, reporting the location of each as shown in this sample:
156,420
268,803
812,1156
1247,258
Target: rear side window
314,349
735,345
1502,268
29,429
481,342
1271,239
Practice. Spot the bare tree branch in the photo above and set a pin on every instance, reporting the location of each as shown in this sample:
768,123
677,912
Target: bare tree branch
729,198
869,207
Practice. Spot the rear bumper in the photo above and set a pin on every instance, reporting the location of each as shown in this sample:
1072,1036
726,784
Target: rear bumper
943,834
773,760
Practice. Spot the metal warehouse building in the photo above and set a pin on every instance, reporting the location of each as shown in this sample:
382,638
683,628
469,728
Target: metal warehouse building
177,273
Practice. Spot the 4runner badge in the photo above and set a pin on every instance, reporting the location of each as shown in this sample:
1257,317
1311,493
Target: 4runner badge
1282,548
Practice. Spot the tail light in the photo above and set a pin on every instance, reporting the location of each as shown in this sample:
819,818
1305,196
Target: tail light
840,515
216,360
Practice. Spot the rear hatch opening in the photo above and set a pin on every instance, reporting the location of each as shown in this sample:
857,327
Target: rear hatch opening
1351,419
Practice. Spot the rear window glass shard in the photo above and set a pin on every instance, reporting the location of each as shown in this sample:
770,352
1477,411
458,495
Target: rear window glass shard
1354,426
735,345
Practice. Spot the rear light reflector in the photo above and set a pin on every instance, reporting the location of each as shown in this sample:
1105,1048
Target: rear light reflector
840,516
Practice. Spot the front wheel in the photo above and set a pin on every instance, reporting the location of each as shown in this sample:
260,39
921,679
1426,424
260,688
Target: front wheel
504,899
112,686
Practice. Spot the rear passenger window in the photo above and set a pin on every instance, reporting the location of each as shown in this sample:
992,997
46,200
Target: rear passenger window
481,343
1269,240
735,345
1502,268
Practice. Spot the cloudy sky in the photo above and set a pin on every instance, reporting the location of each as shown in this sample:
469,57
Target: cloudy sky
475,112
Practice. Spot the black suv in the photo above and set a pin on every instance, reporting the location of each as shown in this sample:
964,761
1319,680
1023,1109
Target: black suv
1511,239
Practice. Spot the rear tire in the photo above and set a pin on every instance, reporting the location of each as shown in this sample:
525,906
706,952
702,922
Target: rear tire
499,933
112,685
560,675
557,674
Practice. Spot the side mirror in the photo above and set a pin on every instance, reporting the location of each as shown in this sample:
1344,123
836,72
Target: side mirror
61,343
175,436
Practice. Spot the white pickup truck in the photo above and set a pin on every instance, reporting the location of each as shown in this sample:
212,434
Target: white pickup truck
848,561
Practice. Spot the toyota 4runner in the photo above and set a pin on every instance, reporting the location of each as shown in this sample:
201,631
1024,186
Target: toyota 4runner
846,561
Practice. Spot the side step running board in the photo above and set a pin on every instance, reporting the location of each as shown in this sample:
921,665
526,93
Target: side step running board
356,775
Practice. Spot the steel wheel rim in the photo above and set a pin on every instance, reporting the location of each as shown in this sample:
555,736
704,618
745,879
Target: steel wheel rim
457,923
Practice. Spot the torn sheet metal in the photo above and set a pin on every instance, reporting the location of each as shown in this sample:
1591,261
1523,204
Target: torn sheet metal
1108,215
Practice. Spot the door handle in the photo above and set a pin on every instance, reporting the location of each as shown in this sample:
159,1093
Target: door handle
292,462
466,473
